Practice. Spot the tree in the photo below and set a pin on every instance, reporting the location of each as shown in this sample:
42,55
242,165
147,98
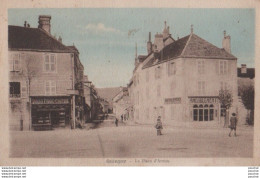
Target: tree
226,100
29,72
248,99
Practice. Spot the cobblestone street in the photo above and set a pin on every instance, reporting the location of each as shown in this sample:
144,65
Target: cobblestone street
132,141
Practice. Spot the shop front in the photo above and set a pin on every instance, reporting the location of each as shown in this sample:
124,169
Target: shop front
50,112
204,108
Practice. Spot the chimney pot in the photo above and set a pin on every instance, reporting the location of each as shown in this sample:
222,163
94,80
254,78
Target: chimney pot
44,23
25,23
226,42
243,69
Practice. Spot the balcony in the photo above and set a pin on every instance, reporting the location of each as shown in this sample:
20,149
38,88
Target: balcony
15,95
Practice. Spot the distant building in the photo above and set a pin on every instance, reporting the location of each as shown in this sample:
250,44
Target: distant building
180,80
245,78
121,102
45,77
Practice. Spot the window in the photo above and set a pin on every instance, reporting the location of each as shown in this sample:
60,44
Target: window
158,91
201,67
223,67
15,62
203,112
223,86
50,87
50,62
158,72
201,87
14,90
147,76
171,68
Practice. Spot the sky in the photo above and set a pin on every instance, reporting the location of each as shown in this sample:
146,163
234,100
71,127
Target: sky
106,37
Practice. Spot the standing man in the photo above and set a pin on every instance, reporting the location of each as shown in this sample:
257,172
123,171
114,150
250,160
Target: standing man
116,122
158,126
233,124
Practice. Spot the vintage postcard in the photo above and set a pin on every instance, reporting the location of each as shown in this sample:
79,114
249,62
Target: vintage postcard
139,85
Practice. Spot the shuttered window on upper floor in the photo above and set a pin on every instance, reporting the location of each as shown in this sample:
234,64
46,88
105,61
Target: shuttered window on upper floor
15,62
50,63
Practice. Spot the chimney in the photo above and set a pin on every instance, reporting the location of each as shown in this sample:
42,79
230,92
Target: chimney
226,42
149,44
243,69
25,24
44,23
191,29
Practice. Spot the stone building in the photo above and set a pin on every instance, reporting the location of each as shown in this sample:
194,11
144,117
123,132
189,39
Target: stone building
180,80
121,103
45,78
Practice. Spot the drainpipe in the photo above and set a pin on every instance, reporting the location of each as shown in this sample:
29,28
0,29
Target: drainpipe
73,96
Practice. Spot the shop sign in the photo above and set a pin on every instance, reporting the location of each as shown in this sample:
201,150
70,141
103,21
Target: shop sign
50,101
172,100
204,100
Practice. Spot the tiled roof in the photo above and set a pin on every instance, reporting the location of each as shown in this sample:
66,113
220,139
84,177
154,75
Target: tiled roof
198,47
33,39
191,46
250,73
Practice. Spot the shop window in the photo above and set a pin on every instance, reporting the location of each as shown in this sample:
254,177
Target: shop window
50,62
203,113
223,111
211,112
195,112
14,90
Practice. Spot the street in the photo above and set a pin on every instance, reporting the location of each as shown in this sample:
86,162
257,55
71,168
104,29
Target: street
129,141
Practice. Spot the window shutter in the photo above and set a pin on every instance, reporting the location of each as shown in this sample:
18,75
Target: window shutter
229,63
23,89
217,67
11,65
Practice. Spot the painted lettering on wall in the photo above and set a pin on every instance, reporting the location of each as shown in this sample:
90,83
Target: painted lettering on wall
172,100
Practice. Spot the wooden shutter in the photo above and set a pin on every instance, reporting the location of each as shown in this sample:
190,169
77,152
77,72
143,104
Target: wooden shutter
217,67
23,89
229,66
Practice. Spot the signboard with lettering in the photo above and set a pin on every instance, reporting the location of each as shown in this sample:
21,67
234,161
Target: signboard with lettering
172,100
50,101
204,99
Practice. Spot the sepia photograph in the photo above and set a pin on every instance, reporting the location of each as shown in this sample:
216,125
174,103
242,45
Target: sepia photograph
131,86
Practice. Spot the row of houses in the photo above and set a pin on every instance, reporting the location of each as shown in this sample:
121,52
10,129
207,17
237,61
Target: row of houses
46,80
180,79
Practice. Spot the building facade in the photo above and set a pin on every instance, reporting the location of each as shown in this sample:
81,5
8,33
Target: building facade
180,80
45,78
121,103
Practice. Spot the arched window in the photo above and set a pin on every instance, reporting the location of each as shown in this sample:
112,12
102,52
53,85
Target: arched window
195,112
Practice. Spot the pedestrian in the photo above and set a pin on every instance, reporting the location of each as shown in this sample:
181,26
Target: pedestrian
158,126
71,123
233,124
116,122
122,117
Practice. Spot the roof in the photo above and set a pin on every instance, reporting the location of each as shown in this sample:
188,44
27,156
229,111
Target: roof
27,38
73,48
191,46
250,73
